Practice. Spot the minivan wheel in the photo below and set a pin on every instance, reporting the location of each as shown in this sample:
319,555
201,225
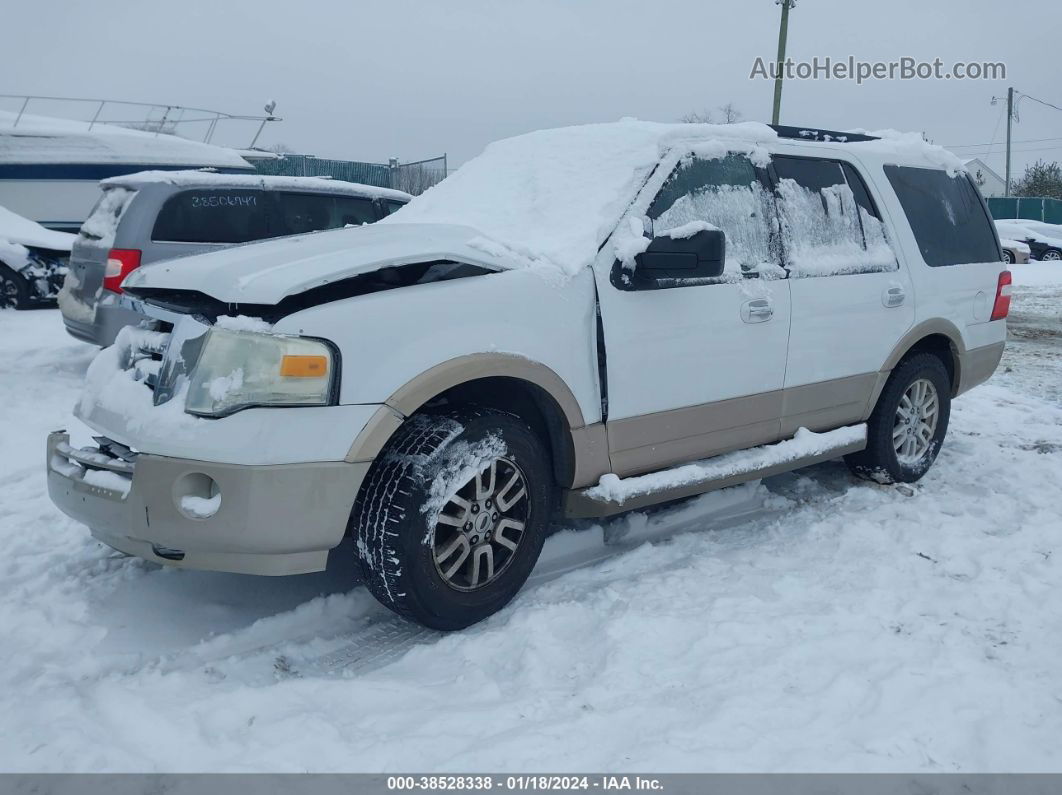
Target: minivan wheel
452,516
907,428
14,290
1051,255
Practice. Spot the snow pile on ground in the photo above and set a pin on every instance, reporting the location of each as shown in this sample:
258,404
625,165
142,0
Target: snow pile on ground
912,628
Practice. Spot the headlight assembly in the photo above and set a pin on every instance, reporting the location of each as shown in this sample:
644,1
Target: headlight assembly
241,369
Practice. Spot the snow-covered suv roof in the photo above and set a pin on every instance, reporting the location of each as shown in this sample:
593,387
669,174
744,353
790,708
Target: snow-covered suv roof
553,196
199,178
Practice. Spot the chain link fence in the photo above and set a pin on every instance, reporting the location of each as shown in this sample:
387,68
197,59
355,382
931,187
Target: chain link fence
414,178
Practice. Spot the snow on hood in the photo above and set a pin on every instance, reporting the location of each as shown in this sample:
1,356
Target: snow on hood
16,229
43,139
553,196
268,271
202,178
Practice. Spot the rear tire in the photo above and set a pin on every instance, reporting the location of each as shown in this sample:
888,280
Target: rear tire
14,289
910,420
452,516
1051,255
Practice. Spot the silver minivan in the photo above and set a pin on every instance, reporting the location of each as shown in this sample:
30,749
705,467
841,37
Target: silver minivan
150,216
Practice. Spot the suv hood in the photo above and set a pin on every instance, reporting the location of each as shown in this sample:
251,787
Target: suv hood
269,271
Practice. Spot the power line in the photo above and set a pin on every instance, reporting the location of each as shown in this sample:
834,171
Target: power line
993,143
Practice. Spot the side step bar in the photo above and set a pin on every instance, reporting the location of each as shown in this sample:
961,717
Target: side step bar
614,495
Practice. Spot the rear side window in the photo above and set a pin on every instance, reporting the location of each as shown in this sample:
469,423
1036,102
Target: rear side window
213,216
946,215
829,224
308,212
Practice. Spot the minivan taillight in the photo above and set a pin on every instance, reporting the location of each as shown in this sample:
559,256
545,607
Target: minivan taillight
1001,308
120,263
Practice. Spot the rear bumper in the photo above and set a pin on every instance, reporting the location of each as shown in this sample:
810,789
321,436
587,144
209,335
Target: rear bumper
272,519
977,365
99,327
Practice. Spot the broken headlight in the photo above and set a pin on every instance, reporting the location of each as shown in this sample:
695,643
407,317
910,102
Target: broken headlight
239,369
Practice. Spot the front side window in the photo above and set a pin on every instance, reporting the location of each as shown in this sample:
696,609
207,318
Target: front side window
829,225
213,216
727,193
946,215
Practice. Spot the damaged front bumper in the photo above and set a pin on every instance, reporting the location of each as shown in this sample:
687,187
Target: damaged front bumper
251,519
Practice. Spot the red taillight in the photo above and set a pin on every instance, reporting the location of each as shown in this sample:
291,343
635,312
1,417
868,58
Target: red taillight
1001,308
120,263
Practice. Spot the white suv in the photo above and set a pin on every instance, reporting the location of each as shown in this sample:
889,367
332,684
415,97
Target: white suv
585,320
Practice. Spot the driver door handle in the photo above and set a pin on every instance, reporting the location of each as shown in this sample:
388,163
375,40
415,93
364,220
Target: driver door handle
757,311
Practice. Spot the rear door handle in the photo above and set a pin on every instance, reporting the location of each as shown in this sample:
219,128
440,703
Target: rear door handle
893,296
757,311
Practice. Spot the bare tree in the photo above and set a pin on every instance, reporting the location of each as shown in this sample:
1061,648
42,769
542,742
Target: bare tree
731,115
704,117
280,148
729,111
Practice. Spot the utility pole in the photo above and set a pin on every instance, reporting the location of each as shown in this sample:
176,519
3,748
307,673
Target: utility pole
1010,119
783,32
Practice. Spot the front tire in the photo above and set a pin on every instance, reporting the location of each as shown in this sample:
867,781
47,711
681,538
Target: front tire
1051,255
452,516
14,289
1008,258
910,420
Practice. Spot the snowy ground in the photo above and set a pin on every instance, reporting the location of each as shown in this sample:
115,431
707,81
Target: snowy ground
843,626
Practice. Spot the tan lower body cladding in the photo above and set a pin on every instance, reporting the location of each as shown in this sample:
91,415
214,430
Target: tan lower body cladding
656,441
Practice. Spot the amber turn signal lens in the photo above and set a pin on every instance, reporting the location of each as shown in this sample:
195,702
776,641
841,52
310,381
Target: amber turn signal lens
304,366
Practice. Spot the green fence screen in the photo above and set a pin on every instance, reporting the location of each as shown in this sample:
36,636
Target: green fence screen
1046,210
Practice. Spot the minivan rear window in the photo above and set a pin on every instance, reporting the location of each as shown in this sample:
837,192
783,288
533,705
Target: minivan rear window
213,216
949,220
240,216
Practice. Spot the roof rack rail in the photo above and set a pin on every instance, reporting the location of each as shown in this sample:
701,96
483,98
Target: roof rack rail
814,134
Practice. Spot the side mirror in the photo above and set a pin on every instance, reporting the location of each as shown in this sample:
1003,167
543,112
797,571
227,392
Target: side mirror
702,255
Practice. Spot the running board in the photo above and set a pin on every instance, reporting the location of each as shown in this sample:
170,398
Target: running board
614,495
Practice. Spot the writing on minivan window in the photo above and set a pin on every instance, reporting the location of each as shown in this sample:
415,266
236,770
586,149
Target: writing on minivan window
826,233
224,200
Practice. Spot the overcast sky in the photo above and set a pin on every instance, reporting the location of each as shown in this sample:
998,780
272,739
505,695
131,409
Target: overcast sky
416,78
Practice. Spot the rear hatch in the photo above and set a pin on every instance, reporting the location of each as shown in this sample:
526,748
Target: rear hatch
88,257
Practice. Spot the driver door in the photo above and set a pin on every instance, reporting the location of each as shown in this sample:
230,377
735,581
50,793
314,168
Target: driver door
698,369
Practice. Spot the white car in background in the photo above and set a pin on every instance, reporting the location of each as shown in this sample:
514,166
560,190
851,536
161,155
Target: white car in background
33,261
586,321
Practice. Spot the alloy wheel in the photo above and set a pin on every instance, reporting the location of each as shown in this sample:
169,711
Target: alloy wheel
916,421
481,525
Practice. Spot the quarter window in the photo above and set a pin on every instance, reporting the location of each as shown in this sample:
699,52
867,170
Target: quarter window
727,193
309,212
829,225
947,216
